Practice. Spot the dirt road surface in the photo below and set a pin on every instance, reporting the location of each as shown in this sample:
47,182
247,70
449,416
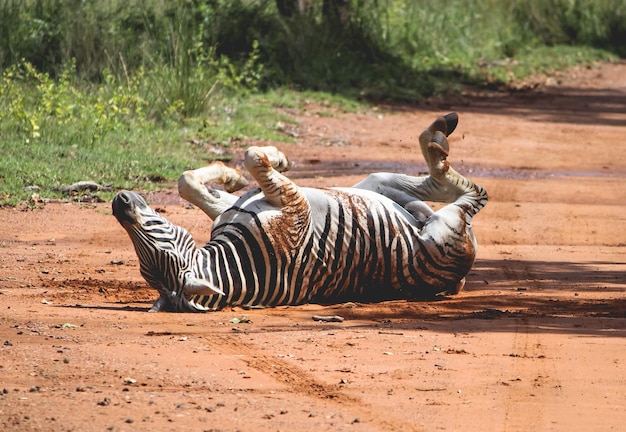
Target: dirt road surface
536,341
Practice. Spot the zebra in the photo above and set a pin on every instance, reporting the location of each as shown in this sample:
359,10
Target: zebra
281,244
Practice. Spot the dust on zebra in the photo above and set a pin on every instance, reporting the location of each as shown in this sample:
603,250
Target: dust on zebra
282,244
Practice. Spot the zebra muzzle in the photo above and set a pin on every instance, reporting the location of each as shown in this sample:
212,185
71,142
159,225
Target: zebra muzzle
124,206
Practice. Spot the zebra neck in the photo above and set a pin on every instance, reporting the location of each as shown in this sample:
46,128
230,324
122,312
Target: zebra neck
204,265
240,269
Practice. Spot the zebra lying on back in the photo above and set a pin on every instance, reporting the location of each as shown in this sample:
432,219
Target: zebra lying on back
286,245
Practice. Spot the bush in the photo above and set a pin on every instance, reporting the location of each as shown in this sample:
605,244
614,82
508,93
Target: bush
377,46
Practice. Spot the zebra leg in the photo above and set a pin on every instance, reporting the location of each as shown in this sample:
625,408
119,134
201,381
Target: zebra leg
444,125
405,189
419,210
265,164
446,235
191,187
276,158
289,228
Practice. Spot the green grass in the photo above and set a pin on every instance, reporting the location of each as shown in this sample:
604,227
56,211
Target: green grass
542,60
129,153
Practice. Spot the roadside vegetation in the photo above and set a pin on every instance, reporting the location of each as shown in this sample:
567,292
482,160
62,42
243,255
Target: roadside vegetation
129,93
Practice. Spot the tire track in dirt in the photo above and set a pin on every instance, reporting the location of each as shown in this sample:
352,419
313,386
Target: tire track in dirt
302,383
532,378
520,273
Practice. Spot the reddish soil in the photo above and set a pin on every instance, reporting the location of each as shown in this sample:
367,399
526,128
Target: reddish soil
536,341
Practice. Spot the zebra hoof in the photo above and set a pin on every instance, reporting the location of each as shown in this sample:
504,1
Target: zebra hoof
444,124
438,164
441,142
458,288
452,120
267,156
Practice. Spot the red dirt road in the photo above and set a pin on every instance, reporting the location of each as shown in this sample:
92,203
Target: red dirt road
536,341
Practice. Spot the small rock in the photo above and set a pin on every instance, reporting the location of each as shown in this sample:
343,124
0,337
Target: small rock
330,318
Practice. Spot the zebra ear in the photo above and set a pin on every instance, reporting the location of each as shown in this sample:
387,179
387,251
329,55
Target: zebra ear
194,286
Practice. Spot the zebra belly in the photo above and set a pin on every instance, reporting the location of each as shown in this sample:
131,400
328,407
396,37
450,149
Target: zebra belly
366,249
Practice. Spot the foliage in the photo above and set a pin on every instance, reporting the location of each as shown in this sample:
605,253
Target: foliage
597,23
60,131
381,47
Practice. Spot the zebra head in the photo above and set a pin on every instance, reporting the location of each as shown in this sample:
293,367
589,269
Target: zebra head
166,254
